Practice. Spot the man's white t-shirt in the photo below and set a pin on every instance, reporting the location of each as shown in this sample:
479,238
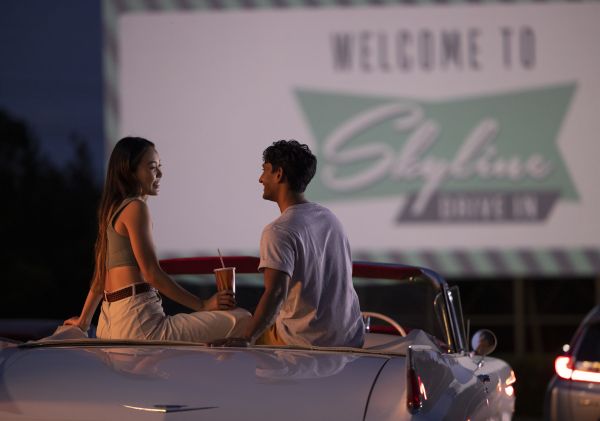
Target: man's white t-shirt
309,244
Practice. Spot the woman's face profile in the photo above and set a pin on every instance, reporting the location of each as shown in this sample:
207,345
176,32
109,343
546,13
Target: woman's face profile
149,173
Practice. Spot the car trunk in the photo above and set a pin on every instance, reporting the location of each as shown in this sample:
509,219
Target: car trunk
185,382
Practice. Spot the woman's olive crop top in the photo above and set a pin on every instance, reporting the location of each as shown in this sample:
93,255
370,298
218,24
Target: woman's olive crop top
119,251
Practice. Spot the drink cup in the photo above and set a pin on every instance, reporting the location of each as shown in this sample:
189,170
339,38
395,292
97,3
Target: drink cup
225,278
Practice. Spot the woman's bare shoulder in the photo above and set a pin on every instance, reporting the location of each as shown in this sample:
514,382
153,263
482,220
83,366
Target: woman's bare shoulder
135,209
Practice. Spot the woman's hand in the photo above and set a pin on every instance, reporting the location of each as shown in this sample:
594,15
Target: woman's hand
76,321
222,300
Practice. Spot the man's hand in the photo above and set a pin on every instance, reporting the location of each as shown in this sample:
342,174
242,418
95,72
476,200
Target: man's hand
231,342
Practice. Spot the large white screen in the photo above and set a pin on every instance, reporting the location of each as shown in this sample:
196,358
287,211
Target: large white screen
213,89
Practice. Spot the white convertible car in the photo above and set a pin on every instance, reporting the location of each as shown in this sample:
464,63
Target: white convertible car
415,365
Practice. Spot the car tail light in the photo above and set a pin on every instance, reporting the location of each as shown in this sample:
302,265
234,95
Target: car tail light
413,394
416,393
565,369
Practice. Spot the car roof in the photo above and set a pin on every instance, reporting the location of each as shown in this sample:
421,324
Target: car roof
593,315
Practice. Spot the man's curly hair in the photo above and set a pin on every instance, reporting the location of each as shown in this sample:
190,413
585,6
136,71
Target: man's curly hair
297,161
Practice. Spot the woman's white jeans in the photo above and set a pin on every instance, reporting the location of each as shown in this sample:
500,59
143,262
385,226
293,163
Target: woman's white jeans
141,316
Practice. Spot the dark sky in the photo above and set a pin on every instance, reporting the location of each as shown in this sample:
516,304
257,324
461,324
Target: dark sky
51,73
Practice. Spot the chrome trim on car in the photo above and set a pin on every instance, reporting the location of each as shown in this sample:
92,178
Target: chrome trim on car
168,408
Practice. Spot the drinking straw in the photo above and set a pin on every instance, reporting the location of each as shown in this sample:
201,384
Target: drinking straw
221,257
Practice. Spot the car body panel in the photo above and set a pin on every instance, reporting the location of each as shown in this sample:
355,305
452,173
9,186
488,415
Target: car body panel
574,400
227,382
67,376
451,390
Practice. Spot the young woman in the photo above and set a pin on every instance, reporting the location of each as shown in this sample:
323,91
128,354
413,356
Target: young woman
127,274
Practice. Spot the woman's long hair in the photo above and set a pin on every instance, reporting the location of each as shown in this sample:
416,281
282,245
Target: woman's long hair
120,184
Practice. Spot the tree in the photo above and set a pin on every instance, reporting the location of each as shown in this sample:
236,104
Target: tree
47,226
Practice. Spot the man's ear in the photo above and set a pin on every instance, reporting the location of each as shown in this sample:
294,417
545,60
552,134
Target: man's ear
279,175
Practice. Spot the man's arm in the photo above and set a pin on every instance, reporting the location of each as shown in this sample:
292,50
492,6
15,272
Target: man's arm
276,285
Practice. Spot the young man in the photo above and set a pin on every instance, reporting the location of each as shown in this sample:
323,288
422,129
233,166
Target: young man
305,258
